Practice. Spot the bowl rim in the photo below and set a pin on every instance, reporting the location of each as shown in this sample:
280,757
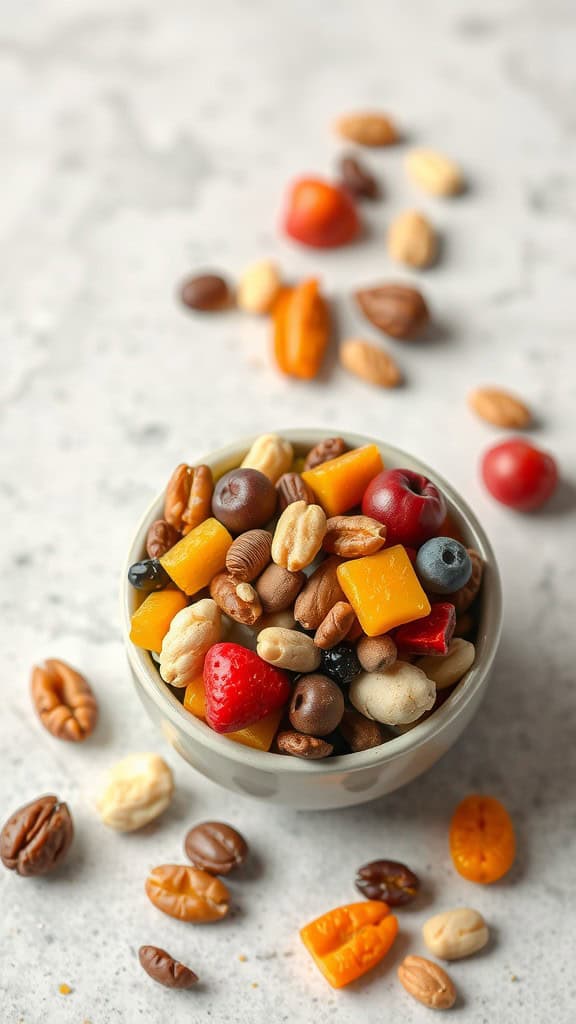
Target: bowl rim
147,674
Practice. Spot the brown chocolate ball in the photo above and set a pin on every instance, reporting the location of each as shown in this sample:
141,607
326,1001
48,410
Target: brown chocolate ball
244,499
317,705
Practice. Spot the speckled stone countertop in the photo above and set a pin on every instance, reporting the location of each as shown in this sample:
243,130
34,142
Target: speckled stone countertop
144,140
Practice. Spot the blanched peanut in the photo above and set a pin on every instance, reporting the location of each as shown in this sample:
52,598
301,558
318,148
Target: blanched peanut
137,790
455,933
287,648
270,455
449,668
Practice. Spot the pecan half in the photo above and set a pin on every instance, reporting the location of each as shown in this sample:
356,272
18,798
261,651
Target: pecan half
298,745
291,487
160,538
330,448
187,893
320,594
37,837
335,626
188,497
353,536
249,555
237,600
63,700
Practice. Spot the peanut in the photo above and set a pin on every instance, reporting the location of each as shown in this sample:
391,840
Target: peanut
270,455
138,789
259,286
298,536
412,240
455,934
287,648
192,632
434,172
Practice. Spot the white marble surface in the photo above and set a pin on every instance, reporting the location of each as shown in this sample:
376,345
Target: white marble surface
140,141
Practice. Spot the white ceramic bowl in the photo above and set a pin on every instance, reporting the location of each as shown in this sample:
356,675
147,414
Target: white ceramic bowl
350,778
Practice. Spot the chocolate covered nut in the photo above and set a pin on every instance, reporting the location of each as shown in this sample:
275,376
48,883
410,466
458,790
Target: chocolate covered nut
160,538
389,881
187,893
249,555
359,732
330,448
291,487
278,588
37,837
63,700
396,309
164,969
205,292
376,653
215,847
317,705
296,744
244,499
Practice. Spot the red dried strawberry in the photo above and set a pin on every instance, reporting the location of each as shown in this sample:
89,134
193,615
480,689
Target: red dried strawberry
241,688
431,635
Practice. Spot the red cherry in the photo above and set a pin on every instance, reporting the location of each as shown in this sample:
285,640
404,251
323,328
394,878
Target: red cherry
519,475
241,688
411,506
320,214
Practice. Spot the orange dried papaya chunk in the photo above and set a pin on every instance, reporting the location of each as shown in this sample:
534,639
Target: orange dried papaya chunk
151,621
348,941
301,330
340,483
482,840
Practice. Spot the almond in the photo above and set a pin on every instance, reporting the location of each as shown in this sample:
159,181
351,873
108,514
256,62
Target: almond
353,536
412,240
334,626
427,982
434,172
319,595
500,408
367,128
370,363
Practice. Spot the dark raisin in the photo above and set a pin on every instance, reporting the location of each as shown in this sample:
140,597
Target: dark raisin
148,575
341,664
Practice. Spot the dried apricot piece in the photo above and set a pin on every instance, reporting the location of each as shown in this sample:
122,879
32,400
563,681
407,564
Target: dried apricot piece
348,941
482,840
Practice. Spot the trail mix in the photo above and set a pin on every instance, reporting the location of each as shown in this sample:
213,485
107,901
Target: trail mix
307,603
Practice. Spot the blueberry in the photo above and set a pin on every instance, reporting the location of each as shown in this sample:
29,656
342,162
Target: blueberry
341,664
148,575
443,565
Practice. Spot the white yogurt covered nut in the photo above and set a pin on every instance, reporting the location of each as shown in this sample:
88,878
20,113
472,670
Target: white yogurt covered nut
192,632
449,668
288,648
397,696
270,455
137,790
455,933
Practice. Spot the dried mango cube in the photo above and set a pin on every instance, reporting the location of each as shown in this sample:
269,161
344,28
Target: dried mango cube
339,484
383,590
194,561
151,621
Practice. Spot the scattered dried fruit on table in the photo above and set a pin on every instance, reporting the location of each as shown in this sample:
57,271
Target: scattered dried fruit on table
397,696
367,128
301,331
320,214
411,239
164,969
206,292
455,934
63,700
215,847
387,880
519,475
258,287
348,941
434,172
358,179
500,408
191,634
137,790
396,309
427,982
340,483
452,667
369,362
244,499
317,705
298,536
36,838
241,688
482,840
195,560
270,455
187,893
151,621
